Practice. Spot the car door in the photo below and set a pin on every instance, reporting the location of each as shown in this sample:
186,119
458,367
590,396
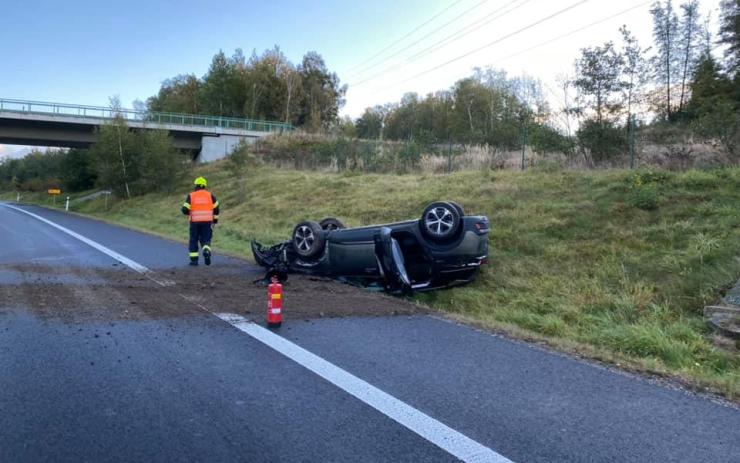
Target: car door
391,261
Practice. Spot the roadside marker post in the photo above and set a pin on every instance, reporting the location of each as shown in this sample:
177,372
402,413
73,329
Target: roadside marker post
66,206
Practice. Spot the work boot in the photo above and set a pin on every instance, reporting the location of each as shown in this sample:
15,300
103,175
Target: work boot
193,261
207,255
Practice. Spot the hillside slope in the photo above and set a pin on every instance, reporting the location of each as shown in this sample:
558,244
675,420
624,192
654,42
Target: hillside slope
614,265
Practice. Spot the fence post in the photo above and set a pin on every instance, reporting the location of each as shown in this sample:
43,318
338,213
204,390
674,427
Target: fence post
449,154
632,123
524,145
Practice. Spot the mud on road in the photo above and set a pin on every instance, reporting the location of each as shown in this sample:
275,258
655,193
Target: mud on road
76,294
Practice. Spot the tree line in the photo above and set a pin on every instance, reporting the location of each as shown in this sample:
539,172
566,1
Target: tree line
267,86
487,108
677,82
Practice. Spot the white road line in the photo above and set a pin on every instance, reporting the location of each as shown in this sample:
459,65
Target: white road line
122,259
436,432
439,434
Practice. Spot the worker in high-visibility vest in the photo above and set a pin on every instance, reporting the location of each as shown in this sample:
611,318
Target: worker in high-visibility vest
202,207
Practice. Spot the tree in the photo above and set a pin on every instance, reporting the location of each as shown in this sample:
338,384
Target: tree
634,71
121,130
370,124
688,43
599,85
114,154
597,77
729,33
77,171
470,111
712,105
161,166
265,86
665,34
323,95
240,161
219,94
345,127
292,84
179,95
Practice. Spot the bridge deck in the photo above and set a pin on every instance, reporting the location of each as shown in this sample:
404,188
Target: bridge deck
97,115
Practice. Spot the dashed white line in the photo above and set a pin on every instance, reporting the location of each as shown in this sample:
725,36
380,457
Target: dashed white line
434,431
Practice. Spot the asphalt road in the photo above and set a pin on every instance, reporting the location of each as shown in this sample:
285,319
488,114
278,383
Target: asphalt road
190,387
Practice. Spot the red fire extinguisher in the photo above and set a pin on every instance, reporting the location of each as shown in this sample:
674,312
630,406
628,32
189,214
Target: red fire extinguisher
274,303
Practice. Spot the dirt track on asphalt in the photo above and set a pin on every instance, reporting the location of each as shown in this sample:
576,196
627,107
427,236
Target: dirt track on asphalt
77,293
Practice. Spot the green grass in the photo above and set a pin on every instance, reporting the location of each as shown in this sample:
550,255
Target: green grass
612,265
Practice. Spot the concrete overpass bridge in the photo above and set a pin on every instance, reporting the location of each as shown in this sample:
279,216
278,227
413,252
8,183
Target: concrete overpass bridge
52,124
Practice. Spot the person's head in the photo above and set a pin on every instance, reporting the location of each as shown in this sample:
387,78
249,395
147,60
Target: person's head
200,183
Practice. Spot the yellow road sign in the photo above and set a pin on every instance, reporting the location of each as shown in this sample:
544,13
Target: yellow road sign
55,191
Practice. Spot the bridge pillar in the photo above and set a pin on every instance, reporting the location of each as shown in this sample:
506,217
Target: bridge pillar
215,147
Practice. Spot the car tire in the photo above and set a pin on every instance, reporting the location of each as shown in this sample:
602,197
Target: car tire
440,221
330,223
308,239
459,208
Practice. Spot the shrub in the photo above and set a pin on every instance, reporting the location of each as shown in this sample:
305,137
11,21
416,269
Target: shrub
644,197
646,177
545,140
643,189
603,140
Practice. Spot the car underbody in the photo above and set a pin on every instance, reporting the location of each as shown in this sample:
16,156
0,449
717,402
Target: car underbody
442,249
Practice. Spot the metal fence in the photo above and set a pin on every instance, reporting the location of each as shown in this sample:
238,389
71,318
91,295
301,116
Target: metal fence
98,112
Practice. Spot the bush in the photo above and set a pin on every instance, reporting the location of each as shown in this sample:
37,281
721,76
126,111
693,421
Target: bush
644,197
545,140
645,177
602,140
722,123
643,190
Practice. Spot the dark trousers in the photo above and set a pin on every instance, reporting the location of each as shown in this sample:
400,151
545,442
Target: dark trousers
200,234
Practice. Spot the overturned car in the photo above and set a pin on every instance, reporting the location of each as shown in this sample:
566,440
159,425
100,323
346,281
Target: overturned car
443,248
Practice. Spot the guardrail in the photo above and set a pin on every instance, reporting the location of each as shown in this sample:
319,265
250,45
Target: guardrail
99,112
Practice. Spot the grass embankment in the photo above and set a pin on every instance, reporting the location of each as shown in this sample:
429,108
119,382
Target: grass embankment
613,265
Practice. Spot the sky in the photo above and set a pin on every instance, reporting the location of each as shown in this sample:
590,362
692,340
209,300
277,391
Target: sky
84,52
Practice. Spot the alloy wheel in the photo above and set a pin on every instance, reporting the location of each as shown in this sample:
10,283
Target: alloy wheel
304,238
439,221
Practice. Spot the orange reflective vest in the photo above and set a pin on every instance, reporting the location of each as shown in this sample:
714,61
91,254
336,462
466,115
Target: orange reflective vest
201,206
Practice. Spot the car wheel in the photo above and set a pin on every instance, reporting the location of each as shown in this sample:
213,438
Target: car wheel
459,208
330,223
440,221
308,239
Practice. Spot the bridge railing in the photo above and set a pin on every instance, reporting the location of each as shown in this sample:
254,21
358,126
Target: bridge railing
152,117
